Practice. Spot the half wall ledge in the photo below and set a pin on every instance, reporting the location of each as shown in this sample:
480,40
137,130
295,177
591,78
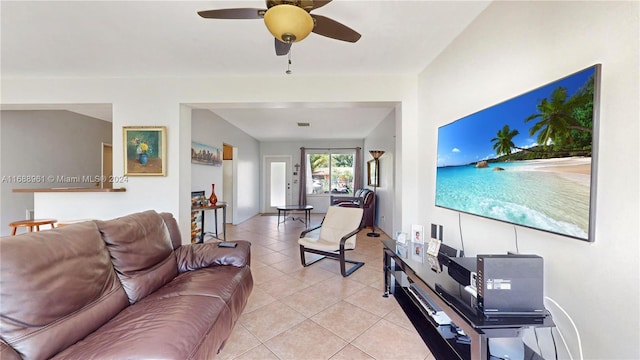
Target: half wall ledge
68,189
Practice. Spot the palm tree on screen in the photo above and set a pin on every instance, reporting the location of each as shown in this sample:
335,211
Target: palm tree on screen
504,141
556,118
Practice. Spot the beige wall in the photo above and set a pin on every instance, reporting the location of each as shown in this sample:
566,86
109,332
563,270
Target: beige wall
210,129
514,47
56,148
164,102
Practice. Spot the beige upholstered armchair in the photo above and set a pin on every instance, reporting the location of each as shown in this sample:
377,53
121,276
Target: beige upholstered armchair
337,235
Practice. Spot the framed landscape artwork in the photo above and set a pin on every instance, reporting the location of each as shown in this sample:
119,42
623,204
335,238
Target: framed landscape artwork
205,155
145,150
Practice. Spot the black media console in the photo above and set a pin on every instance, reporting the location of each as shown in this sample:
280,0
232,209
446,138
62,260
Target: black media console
445,315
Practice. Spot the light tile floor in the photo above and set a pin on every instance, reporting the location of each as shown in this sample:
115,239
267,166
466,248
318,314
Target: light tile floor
314,313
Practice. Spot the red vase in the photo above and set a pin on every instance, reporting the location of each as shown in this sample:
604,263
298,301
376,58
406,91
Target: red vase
213,199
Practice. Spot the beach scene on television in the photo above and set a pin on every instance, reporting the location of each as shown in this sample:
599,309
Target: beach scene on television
526,161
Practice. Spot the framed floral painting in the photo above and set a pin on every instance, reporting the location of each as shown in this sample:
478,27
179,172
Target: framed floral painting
145,150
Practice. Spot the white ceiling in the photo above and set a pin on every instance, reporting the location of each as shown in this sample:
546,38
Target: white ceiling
168,39
278,122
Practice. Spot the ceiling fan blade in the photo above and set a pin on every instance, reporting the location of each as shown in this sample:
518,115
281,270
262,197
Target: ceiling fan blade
282,48
319,3
241,13
335,30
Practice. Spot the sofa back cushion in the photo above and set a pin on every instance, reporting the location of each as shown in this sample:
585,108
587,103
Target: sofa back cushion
367,198
57,286
174,229
141,252
363,197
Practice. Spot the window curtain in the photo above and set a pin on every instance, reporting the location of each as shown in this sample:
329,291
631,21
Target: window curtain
302,192
357,179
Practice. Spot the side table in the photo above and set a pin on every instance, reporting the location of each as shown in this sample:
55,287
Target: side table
285,209
215,208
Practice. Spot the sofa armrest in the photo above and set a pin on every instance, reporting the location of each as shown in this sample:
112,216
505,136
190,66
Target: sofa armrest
197,256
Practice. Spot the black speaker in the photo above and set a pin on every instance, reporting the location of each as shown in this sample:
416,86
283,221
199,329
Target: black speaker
436,231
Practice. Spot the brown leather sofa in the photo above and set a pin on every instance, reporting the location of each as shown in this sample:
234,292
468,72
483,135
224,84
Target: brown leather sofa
119,289
363,198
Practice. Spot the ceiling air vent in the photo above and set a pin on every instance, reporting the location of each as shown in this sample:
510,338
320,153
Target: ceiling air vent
300,124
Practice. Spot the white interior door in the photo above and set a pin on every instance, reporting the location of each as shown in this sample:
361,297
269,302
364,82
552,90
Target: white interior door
227,187
278,182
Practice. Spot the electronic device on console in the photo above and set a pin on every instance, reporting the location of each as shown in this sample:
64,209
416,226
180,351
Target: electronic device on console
504,285
446,253
460,269
510,285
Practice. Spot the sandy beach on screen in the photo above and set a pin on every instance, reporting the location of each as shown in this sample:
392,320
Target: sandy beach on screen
574,168
575,165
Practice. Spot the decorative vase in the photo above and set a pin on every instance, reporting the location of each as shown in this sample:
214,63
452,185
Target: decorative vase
143,158
213,199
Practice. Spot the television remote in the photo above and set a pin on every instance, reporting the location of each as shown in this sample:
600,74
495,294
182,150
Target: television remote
226,244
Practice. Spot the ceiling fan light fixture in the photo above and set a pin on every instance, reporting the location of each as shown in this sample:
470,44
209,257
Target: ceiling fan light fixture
288,23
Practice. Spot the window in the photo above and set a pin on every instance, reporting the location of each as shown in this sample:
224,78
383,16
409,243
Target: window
330,172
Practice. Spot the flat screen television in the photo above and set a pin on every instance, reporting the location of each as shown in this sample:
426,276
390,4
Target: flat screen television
528,161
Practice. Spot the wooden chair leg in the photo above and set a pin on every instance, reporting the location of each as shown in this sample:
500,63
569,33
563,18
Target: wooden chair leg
340,257
303,259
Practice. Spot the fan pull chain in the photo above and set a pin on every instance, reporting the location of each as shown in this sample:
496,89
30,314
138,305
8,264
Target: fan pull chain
288,72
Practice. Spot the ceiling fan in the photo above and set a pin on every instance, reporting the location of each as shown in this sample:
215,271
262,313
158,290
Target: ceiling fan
289,21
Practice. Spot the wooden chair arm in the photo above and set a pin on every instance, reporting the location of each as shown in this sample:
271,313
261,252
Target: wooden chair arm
308,230
346,237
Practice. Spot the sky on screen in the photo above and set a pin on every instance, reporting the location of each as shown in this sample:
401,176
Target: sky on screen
468,139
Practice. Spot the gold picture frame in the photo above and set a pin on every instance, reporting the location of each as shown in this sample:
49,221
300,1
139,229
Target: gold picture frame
372,173
145,150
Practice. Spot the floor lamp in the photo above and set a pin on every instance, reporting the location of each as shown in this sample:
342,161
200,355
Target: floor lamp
376,155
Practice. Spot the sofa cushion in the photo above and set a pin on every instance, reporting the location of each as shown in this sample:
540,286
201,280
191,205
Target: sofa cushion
167,328
230,284
56,287
141,252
